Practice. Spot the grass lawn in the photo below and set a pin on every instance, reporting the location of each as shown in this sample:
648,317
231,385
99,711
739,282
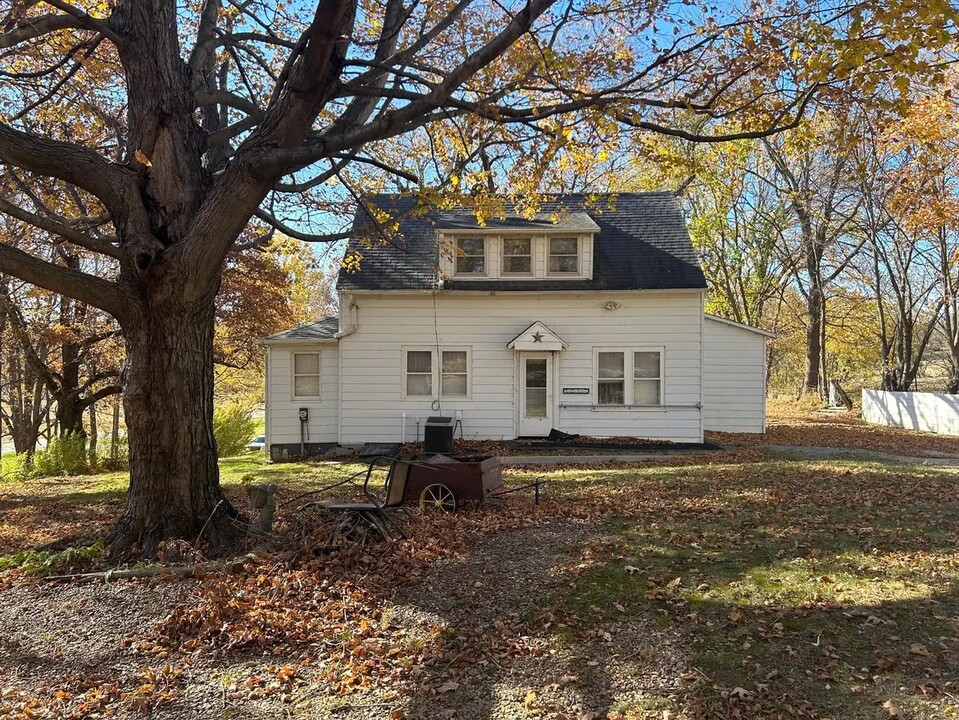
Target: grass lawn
826,587
792,588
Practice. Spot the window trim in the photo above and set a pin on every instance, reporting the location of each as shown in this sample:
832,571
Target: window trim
456,256
294,375
629,386
436,370
578,255
532,256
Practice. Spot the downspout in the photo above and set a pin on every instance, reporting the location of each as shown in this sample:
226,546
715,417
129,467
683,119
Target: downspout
353,315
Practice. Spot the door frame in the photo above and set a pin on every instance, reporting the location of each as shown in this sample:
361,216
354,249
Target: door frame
552,400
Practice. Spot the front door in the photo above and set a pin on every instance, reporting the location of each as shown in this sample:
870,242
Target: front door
535,394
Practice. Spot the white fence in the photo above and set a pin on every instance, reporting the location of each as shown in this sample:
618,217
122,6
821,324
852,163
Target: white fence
930,412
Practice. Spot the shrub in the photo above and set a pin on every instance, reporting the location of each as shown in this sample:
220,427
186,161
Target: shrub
233,426
45,562
63,456
122,460
14,467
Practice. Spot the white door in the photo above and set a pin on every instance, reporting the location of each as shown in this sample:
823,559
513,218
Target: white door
535,394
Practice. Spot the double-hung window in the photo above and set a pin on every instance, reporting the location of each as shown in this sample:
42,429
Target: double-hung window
517,256
647,377
629,377
470,256
419,373
611,378
426,370
306,375
563,256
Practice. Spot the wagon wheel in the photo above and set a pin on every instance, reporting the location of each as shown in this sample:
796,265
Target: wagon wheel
438,497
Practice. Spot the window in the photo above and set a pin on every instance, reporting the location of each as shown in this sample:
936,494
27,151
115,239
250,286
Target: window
517,256
614,367
611,379
646,378
423,374
454,377
419,373
563,255
471,256
306,375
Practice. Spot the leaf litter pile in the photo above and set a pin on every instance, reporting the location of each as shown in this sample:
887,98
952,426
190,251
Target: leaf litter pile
733,587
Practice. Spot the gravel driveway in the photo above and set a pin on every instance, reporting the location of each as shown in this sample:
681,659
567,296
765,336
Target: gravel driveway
500,653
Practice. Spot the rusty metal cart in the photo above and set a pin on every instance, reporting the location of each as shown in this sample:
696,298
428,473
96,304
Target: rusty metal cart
444,482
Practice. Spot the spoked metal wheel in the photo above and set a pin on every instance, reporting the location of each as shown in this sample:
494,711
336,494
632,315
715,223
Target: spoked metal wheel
438,497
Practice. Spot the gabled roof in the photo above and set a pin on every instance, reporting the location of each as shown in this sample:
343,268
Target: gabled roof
324,329
640,243
537,337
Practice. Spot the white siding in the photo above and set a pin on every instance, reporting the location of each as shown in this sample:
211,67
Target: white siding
283,424
372,401
734,378
930,412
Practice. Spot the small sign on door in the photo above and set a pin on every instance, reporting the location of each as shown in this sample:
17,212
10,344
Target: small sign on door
575,391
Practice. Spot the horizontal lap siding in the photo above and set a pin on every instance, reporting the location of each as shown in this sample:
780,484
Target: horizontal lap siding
372,360
284,423
734,378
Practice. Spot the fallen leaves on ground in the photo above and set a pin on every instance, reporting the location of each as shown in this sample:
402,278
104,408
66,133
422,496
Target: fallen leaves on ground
790,424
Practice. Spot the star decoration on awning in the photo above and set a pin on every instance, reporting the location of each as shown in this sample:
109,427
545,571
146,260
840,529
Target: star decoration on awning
537,337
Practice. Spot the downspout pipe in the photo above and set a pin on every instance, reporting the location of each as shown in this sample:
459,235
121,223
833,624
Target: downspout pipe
353,315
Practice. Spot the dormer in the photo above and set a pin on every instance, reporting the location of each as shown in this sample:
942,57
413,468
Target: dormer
517,248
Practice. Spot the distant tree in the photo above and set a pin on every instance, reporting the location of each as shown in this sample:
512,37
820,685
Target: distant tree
922,179
811,168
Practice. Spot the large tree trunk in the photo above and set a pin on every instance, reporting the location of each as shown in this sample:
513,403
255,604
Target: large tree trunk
70,414
168,405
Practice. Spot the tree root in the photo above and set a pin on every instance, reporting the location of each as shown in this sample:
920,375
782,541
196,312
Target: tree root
232,566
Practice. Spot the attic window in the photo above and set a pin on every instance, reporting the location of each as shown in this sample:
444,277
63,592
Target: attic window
471,256
563,256
517,256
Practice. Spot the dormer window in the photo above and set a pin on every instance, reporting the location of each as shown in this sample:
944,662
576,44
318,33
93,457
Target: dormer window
471,256
514,255
517,256
563,256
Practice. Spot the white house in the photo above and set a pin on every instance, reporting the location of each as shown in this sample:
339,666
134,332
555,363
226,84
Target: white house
587,318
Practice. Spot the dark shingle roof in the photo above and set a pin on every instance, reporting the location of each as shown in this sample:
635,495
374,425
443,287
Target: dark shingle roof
640,243
323,329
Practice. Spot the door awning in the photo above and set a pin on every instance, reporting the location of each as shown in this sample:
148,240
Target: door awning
537,337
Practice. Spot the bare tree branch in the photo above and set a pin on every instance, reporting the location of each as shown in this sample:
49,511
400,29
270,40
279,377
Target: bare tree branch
86,288
68,233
